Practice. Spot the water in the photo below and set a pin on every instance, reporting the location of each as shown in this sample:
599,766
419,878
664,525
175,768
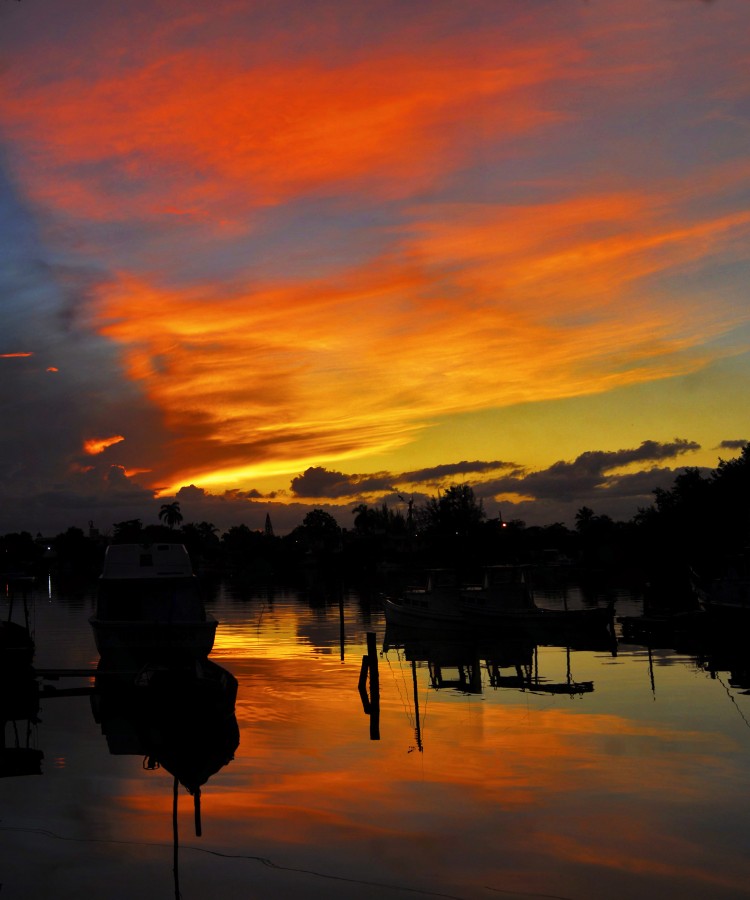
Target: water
636,785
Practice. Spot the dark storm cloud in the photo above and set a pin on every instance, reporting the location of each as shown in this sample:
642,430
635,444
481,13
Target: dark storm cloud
618,496
70,388
320,482
733,445
586,474
447,469
555,493
102,495
585,477
100,488
193,494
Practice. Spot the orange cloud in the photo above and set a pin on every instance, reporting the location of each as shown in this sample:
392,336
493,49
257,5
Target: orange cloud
92,446
14,355
77,467
261,133
546,283
482,307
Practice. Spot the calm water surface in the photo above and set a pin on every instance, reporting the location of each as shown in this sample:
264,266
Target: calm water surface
595,775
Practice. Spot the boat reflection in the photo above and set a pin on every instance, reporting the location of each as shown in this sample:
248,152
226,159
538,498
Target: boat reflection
470,661
179,718
19,690
731,658
19,715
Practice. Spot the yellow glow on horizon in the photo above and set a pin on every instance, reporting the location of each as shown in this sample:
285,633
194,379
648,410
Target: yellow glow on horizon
244,477
330,386
465,289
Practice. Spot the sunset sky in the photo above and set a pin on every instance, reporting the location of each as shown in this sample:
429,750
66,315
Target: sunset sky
258,255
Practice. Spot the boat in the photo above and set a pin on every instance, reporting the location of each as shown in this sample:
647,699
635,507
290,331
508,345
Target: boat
149,608
434,601
505,598
502,599
503,592
541,620
16,641
732,588
726,601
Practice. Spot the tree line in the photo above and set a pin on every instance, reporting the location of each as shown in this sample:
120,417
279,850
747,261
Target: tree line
701,522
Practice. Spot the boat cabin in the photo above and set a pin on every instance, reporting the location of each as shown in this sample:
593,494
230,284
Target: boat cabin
146,561
149,582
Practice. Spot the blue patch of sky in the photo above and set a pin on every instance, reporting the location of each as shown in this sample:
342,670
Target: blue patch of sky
309,239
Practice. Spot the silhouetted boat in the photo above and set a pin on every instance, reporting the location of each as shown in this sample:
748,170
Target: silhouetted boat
149,607
434,602
552,569
16,642
672,614
504,591
503,600
539,620
727,599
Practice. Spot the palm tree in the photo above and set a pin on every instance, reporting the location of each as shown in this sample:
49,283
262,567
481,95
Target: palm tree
170,514
208,531
585,518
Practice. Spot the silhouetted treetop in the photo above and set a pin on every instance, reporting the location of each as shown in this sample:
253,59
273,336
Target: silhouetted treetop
456,511
170,514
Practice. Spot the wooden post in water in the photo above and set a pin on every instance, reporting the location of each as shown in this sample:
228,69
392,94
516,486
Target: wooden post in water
341,623
362,686
372,654
371,702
